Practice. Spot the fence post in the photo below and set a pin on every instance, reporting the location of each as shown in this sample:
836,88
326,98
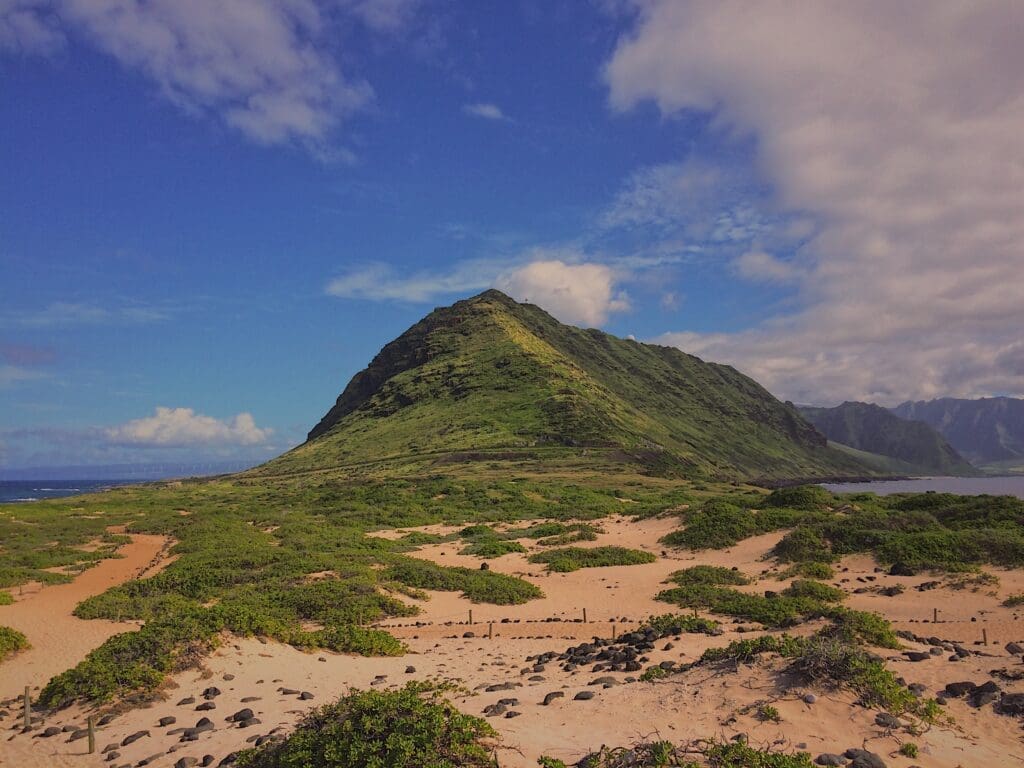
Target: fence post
28,707
471,616
490,630
91,725
585,616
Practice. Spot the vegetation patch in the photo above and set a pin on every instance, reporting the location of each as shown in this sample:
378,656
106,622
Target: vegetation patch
11,641
6,598
413,727
708,574
478,586
573,558
491,548
772,611
665,754
814,590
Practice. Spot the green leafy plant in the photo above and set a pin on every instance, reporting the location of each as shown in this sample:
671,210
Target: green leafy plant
573,558
413,727
11,641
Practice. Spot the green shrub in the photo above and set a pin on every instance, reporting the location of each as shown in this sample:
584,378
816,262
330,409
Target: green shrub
6,598
570,559
491,548
478,586
11,641
716,525
805,497
777,611
1014,600
804,544
908,749
413,727
767,713
737,754
746,650
708,574
862,627
680,623
814,590
832,661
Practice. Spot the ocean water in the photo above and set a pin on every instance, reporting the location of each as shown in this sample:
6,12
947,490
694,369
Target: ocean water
34,490
967,486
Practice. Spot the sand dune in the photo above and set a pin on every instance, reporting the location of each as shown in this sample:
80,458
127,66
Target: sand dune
701,703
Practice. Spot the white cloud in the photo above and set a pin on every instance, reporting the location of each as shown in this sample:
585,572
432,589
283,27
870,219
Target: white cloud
896,129
13,374
564,281
761,266
71,314
484,110
581,294
267,68
382,282
184,427
26,27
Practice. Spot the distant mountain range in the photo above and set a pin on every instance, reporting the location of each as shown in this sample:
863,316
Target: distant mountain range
498,385
913,446
989,431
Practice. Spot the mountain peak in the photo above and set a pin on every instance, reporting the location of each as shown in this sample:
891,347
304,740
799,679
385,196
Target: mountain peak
491,378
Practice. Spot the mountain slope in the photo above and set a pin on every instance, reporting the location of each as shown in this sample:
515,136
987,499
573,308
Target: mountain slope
986,431
489,378
871,428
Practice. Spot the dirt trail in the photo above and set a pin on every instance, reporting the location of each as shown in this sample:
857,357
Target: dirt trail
59,639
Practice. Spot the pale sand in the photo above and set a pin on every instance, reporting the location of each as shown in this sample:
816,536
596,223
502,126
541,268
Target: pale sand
702,703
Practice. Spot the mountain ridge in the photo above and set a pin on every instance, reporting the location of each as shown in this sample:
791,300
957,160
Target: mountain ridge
872,428
488,378
987,431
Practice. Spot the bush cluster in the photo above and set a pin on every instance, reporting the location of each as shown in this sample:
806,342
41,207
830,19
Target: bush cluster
413,727
569,559
708,574
11,641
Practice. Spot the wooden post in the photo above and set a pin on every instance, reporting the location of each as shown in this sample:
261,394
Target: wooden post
984,636
490,630
613,631
471,616
935,615
585,616
91,725
28,707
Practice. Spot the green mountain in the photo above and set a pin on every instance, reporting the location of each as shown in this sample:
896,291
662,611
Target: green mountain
871,428
988,431
492,380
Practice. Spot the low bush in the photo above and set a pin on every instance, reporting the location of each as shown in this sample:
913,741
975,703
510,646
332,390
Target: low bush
775,611
679,623
805,497
491,548
809,570
6,598
708,574
413,727
570,559
716,525
478,586
814,590
1014,600
664,754
11,641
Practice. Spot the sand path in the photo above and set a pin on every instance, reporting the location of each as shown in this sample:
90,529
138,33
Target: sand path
59,639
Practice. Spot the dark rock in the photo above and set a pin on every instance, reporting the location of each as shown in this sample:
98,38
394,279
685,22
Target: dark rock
206,706
133,738
306,696
410,670
211,693
186,701
186,762
827,758
552,696
861,758
583,696
242,714
885,720
163,722
902,569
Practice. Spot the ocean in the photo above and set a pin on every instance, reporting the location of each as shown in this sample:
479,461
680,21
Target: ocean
967,486
35,490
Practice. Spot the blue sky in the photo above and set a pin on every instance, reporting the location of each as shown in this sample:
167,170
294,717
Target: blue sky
210,219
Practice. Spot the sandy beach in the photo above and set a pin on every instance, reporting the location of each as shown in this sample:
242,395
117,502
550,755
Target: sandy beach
280,683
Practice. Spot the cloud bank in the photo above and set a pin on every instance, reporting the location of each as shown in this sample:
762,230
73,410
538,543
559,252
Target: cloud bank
563,281
266,68
180,427
896,130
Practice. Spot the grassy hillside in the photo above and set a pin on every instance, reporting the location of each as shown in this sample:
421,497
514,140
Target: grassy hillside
489,379
873,429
